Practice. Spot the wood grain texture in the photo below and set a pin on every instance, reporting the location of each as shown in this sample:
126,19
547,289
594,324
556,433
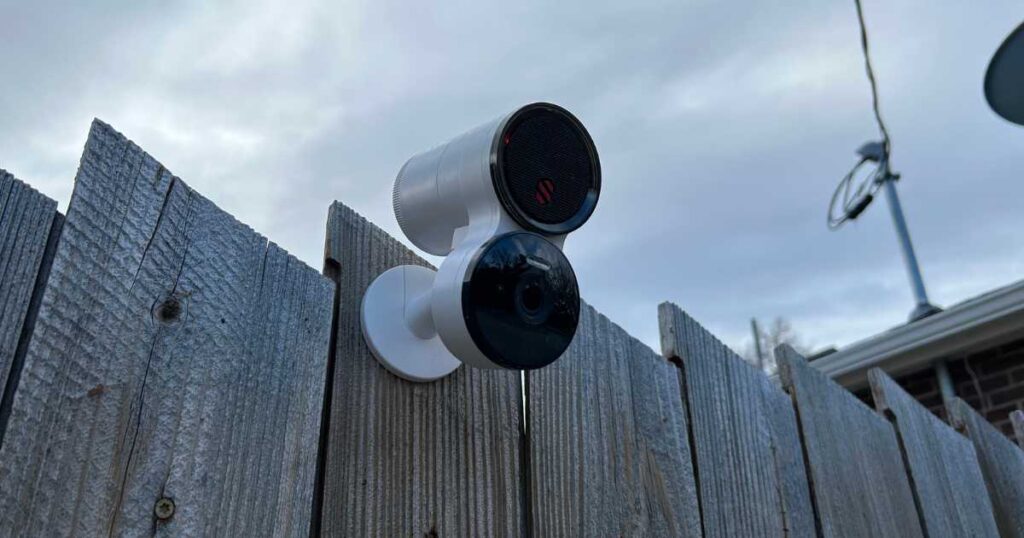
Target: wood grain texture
26,220
608,440
176,354
1017,419
947,481
860,486
748,453
412,459
1002,465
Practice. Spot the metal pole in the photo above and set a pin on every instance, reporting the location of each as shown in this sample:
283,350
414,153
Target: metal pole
923,308
757,343
946,387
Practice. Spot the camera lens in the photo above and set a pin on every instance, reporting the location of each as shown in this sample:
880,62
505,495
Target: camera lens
534,300
521,303
531,297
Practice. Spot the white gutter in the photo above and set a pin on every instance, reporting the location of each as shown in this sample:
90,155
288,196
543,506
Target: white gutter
979,323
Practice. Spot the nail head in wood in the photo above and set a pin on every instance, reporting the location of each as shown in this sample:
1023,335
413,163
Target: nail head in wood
164,508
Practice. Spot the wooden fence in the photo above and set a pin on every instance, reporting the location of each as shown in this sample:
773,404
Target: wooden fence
165,370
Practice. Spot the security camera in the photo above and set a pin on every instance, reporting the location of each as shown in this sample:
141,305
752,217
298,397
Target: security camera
497,202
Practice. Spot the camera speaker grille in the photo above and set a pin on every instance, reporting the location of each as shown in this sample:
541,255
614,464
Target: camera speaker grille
549,167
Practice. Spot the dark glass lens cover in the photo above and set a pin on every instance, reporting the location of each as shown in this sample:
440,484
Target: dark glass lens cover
521,302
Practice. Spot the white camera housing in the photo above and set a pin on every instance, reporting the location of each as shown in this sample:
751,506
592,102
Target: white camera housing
498,202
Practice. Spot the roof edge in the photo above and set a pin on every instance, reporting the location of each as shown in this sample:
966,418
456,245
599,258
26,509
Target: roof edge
987,320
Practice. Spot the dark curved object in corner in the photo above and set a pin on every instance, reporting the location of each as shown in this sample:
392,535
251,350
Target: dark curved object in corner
1004,80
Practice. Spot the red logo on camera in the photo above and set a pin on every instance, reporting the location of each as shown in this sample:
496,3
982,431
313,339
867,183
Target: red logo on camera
545,191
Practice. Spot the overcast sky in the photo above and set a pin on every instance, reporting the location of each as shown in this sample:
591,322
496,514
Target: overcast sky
722,129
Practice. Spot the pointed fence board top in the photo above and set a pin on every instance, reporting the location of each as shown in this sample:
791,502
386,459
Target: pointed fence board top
412,459
860,484
943,466
745,437
178,358
1002,465
608,443
27,219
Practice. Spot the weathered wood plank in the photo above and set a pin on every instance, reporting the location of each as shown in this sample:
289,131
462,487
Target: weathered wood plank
26,248
745,437
860,485
1002,465
1017,418
412,459
177,354
945,476
608,440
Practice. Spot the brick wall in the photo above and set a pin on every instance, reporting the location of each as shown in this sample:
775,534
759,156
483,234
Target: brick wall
991,381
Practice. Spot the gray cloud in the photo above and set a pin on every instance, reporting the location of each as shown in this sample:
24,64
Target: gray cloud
722,130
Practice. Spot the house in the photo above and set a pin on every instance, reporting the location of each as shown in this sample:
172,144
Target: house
973,350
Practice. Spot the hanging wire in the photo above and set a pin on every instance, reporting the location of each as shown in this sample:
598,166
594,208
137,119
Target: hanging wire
853,201
871,76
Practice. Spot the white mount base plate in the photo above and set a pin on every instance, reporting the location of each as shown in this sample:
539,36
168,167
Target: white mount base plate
386,330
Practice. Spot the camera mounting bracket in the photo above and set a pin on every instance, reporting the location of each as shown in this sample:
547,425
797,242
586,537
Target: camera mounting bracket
398,326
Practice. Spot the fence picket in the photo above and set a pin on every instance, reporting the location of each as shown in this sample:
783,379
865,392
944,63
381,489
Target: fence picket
1002,465
422,459
748,454
29,227
177,355
945,475
608,441
859,480
1017,419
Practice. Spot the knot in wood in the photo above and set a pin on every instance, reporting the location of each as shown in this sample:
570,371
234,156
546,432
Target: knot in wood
168,310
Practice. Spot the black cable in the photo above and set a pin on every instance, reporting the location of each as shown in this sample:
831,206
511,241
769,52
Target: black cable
856,200
871,75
